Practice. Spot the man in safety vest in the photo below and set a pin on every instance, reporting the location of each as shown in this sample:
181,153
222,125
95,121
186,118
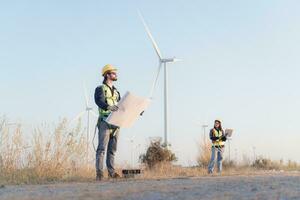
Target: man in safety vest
106,98
218,139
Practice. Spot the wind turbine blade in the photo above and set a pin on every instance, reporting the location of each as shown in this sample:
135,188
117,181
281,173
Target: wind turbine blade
155,80
150,36
177,60
78,116
86,96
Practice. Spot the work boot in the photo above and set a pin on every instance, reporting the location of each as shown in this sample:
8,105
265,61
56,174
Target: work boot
99,176
114,176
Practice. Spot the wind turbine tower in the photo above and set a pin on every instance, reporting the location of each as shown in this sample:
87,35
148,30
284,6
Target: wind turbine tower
88,110
162,63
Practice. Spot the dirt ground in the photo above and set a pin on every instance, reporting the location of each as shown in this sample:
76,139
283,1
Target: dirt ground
271,186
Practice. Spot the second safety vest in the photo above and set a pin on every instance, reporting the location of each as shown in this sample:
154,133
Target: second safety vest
219,134
112,97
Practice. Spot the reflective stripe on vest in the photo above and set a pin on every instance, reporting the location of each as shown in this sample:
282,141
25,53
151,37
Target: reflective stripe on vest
110,99
218,134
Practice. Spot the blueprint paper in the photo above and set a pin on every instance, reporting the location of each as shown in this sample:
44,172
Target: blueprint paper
130,108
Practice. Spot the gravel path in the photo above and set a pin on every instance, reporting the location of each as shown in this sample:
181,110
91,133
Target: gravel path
281,187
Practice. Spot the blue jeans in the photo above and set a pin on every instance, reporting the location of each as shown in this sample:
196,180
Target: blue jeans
106,141
211,165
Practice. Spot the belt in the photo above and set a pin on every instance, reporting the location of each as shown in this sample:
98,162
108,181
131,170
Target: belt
103,118
218,146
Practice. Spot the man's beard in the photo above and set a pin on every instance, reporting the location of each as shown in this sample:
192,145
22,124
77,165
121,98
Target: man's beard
114,79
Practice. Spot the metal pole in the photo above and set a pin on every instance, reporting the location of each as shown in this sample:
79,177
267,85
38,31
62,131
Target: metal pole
254,153
132,153
87,137
236,156
166,103
229,148
1,135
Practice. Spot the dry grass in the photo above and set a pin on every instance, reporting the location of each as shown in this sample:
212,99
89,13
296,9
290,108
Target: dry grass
204,153
268,164
166,170
261,163
59,154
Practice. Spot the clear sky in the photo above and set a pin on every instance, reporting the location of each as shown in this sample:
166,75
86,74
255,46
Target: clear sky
240,64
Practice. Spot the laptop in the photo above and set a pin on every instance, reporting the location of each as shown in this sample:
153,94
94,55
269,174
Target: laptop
228,132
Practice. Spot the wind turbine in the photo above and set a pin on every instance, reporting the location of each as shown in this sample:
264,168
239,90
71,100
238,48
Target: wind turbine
162,62
88,110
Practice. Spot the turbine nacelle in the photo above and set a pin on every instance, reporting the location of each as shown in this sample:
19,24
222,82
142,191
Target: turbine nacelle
88,108
170,60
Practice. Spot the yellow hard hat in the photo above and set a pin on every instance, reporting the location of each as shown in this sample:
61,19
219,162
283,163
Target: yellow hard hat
108,68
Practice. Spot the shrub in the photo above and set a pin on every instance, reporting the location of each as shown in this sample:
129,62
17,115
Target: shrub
264,163
157,154
292,165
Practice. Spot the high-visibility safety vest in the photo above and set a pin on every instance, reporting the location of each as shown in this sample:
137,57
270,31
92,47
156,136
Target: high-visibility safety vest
112,97
219,134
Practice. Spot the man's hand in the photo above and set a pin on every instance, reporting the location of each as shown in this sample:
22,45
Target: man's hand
215,138
223,138
112,108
